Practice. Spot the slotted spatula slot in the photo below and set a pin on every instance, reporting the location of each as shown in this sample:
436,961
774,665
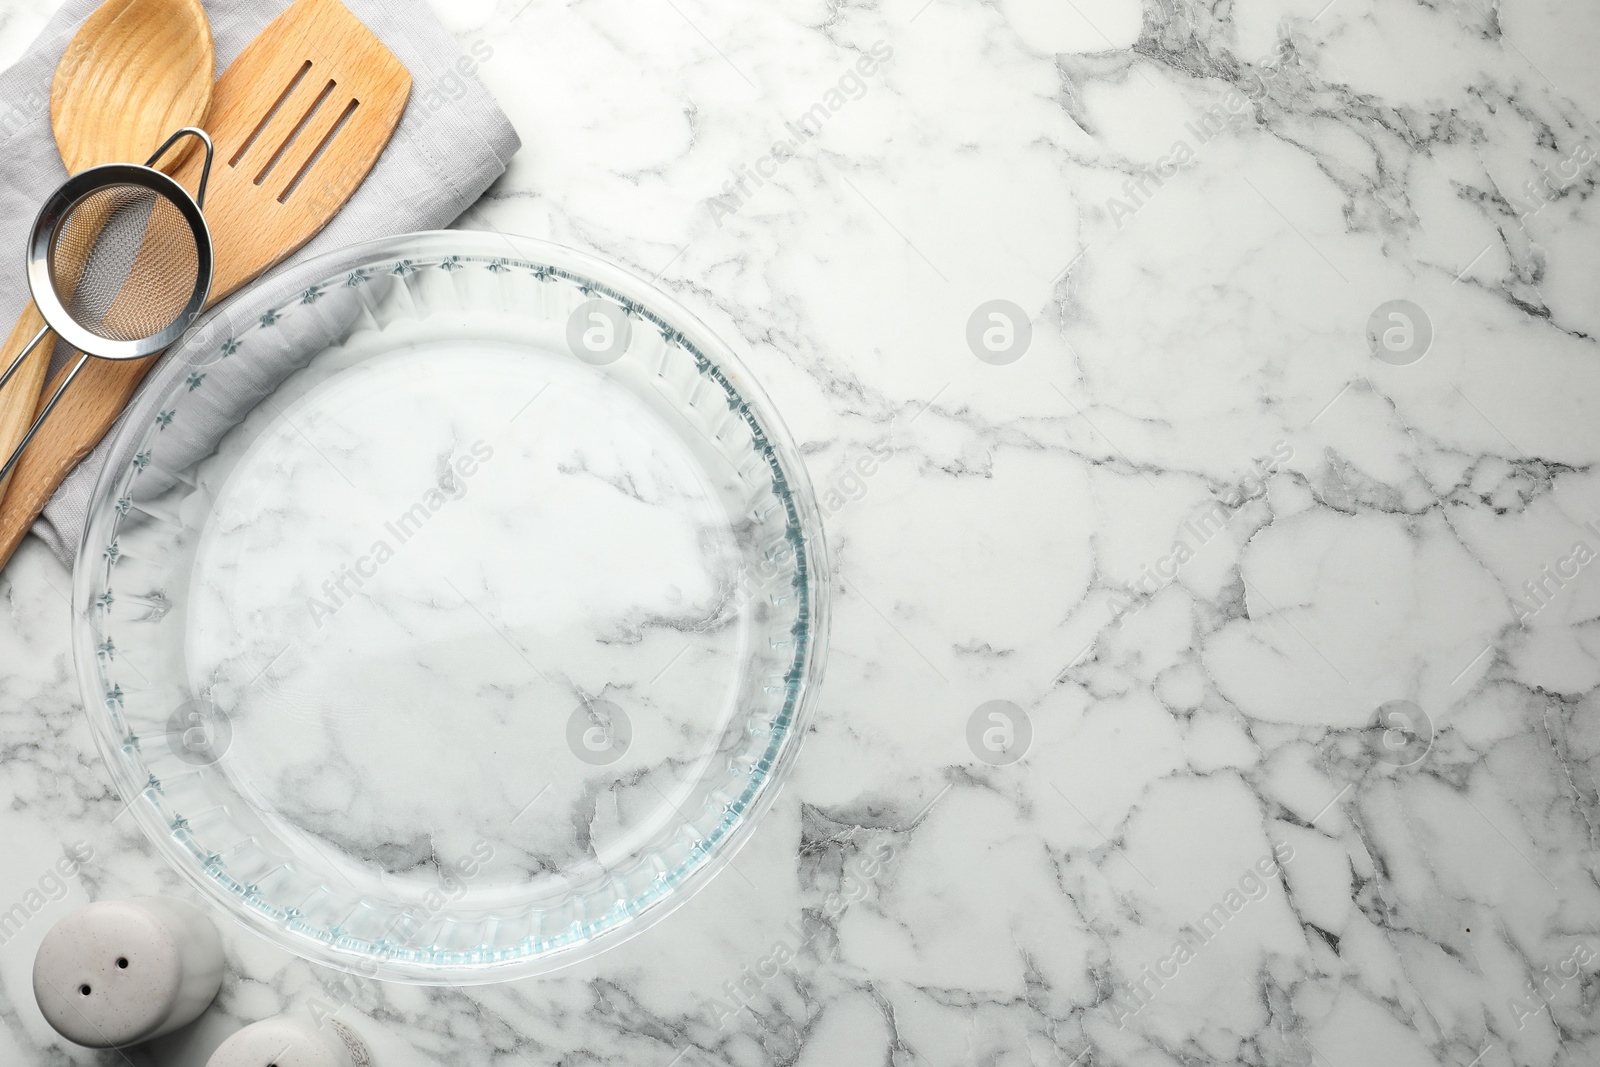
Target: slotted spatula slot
294,134
277,106
327,139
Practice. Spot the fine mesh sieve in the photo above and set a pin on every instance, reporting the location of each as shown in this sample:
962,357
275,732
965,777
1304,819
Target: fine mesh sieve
119,264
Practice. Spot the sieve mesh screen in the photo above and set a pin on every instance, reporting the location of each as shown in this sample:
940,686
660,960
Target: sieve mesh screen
124,262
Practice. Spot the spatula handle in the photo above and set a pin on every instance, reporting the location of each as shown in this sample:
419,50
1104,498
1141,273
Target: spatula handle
84,415
21,394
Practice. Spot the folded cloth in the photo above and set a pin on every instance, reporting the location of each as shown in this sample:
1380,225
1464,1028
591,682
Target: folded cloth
452,143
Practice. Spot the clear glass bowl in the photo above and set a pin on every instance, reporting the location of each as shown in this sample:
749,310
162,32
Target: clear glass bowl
457,618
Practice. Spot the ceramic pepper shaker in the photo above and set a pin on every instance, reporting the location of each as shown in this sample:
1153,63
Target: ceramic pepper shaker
119,972
291,1041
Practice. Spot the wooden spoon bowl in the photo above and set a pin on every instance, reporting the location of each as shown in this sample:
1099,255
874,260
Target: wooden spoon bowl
135,71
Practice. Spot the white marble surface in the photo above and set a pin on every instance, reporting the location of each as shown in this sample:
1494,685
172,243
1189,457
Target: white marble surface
1200,339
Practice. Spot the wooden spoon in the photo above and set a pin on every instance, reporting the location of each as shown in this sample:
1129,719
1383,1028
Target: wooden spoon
298,121
135,71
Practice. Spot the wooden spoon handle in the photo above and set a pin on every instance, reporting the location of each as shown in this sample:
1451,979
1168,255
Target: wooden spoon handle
81,419
21,394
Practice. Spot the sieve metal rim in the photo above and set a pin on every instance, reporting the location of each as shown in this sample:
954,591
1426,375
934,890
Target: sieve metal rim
60,204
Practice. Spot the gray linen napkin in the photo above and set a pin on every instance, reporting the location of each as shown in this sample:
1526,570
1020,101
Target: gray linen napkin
452,143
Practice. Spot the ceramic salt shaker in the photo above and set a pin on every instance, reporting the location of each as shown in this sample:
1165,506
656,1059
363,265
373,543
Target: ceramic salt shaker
119,972
291,1041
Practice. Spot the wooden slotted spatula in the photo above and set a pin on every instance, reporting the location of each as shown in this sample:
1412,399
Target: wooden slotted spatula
297,120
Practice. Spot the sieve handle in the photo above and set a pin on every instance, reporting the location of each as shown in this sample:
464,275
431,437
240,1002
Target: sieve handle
26,351
55,398
28,360
205,167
